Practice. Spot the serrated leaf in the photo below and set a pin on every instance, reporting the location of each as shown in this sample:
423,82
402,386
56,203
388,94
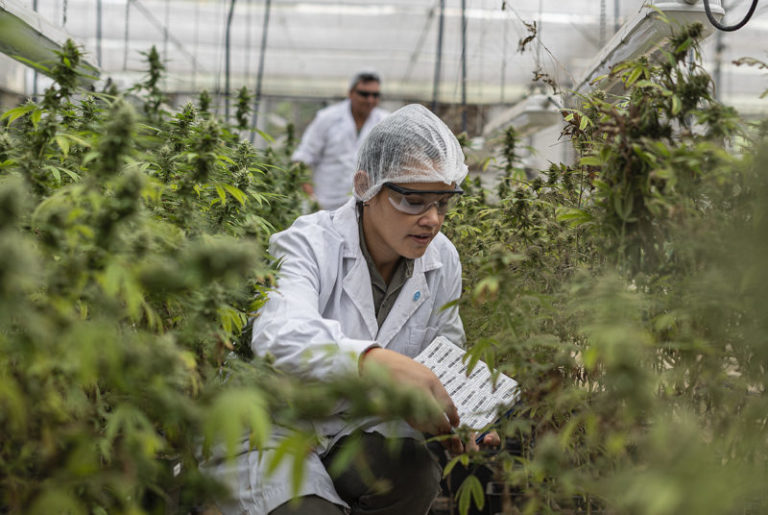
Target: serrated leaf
35,116
573,216
297,446
90,156
55,172
237,193
222,194
677,105
63,143
471,490
266,136
17,112
33,64
584,123
461,458
72,175
645,83
231,319
226,159
684,46
234,414
591,161
449,305
78,140
634,75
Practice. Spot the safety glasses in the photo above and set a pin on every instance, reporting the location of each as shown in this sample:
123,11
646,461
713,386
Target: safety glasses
366,94
416,202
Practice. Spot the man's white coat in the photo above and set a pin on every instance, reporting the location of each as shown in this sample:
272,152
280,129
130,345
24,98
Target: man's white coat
329,146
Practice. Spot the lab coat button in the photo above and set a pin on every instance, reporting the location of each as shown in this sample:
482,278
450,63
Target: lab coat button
416,296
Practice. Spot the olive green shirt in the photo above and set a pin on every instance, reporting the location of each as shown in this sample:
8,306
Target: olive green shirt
384,295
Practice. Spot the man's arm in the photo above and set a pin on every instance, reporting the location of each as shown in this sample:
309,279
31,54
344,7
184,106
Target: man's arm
311,148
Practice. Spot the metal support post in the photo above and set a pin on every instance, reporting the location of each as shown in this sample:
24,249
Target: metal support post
260,73
227,59
439,56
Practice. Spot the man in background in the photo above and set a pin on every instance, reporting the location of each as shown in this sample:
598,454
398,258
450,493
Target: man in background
329,145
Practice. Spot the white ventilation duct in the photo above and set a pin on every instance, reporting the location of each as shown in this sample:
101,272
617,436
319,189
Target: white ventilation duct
528,116
643,35
28,37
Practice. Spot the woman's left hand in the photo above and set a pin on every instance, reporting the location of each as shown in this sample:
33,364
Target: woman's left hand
491,440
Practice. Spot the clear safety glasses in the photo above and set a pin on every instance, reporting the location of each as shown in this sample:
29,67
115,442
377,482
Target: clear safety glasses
416,202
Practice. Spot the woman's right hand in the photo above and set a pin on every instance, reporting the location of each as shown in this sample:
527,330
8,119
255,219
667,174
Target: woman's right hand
404,370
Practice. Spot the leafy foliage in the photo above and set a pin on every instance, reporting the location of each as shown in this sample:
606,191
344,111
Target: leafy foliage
132,250
623,294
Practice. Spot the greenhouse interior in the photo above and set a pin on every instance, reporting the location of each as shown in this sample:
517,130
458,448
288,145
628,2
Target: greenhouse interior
182,326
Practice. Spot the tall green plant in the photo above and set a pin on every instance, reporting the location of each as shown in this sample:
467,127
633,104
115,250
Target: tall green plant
123,290
621,293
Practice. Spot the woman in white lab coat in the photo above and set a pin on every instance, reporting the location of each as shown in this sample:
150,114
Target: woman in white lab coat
369,280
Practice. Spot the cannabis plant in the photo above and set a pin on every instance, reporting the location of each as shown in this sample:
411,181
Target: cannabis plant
622,293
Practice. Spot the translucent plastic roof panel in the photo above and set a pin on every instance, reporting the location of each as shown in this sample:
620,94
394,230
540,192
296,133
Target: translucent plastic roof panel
314,46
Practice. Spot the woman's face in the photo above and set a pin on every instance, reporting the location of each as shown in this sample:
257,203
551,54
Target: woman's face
391,233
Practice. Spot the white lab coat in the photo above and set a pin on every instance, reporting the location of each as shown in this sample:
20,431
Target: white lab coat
329,146
324,298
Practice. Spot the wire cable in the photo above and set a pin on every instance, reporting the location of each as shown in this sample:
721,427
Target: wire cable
420,43
227,59
260,72
164,30
729,28
439,50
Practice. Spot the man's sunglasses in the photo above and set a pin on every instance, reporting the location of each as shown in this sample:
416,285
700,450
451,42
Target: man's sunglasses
416,202
366,94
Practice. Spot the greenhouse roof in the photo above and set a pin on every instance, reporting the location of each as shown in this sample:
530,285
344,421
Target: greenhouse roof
314,46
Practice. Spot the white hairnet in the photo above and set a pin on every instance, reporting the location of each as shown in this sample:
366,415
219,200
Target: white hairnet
410,145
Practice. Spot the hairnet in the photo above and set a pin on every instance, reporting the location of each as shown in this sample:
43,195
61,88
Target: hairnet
410,145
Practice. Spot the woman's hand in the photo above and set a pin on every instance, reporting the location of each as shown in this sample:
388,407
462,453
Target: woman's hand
491,439
404,370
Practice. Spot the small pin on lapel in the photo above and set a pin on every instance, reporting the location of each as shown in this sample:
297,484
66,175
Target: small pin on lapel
416,296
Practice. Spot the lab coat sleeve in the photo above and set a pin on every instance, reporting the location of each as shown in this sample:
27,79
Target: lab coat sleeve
313,142
290,327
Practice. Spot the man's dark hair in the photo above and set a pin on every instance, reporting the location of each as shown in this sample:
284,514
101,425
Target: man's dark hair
364,76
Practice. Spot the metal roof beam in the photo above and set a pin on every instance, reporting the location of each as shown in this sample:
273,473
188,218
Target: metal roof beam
28,37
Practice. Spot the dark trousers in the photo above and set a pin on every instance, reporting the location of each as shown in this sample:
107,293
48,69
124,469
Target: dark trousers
388,480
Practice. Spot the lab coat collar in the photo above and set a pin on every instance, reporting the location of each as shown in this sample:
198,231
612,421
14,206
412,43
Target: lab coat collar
357,280
345,222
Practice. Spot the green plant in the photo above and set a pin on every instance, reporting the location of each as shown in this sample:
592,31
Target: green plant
622,294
